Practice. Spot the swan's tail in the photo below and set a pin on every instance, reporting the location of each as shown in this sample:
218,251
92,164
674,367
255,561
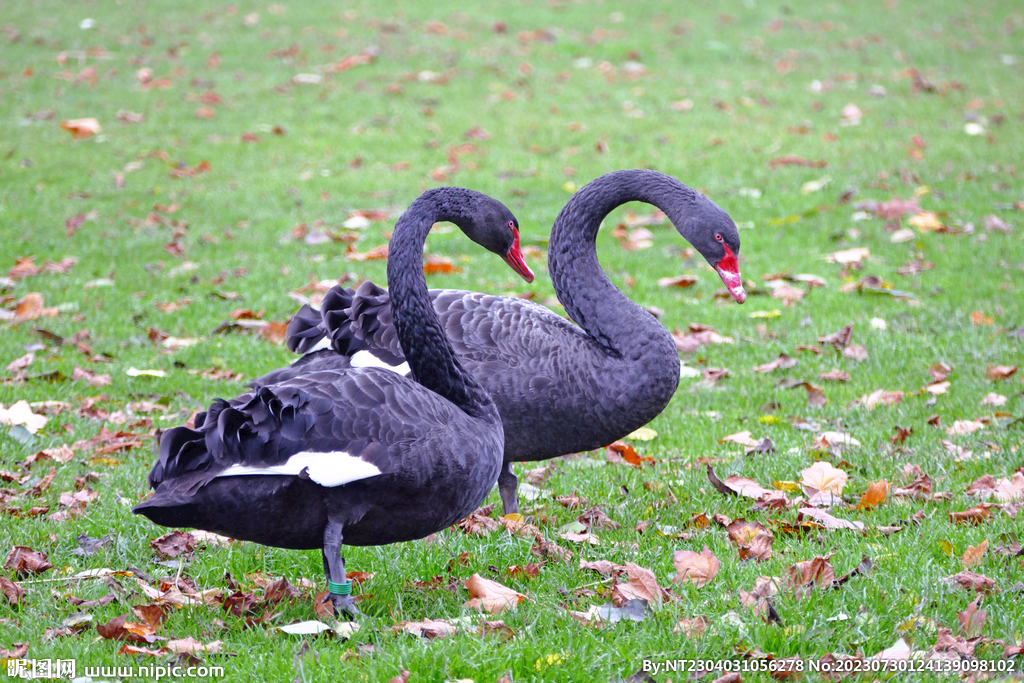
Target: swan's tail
361,319
304,331
259,428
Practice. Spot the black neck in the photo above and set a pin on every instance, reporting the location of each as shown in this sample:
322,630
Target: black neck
427,350
589,297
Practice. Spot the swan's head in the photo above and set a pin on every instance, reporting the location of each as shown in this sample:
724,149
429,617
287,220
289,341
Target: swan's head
713,233
492,225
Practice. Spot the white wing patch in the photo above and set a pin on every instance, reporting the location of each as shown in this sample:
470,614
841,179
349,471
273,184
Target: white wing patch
330,469
324,343
365,359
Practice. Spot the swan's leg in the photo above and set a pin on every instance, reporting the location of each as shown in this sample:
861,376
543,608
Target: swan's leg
507,484
339,588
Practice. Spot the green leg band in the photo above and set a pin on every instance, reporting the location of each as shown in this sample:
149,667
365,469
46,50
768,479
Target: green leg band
344,588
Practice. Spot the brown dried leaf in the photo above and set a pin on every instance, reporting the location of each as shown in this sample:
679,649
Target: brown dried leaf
997,373
479,523
975,515
192,646
839,339
603,567
681,281
642,584
813,573
174,544
696,568
119,628
25,561
974,582
13,593
835,376
490,596
881,397
783,361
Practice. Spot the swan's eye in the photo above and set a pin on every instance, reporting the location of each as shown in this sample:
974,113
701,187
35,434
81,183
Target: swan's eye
718,236
512,225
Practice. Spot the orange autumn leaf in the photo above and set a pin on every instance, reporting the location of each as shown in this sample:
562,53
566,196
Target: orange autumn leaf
376,254
629,454
877,493
979,318
81,128
443,265
972,556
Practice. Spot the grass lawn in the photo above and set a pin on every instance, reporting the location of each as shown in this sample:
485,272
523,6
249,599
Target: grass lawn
237,140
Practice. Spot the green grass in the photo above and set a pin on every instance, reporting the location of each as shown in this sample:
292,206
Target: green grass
748,69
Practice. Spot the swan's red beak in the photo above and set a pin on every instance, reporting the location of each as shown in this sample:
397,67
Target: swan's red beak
729,270
514,259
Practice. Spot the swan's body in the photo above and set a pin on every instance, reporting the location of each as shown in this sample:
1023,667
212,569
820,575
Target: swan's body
560,388
361,454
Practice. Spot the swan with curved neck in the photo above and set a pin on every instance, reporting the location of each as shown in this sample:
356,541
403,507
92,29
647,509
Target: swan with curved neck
559,388
361,455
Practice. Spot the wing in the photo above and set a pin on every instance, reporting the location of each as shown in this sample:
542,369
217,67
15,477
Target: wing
490,334
333,427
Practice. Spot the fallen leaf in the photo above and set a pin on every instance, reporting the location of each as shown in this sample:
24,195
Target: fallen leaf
743,438
119,628
816,573
783,361
972,620
25,561
1009,490
681,281
835,376
821,476
603,567
880,397
490,596
696,568
642,585
12,592
81,128
21,414
629,454
979,318
973,554
975,515
965,427
840,339
896,652
691,628
973,582
996,373
847,256
828,521
193,646
993,399
876,494
173,544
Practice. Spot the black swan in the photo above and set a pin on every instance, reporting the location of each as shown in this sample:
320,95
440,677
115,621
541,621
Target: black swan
559,388
365,456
